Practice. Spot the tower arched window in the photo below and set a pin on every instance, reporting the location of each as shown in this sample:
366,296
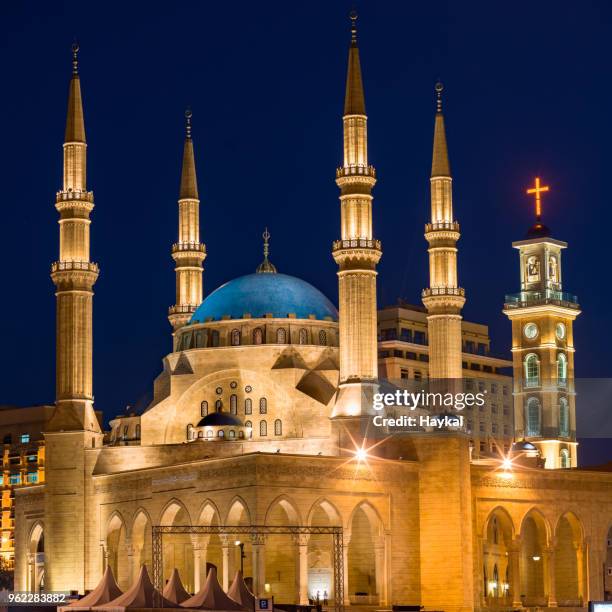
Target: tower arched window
263,428
278,427
562,369
248,406
263,405
323,337
214,337
564,425
565,458
303,336
137,431
203,408
281,335
234,404
257,336
533,416
235,339
219,406
532,370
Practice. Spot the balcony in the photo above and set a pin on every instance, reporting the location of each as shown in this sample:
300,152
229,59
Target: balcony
356,171
70,195
451,226
188,246
89,266
182,309
443,291
525,299
357,243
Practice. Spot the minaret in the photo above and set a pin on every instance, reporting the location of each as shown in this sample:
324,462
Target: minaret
357,253
73,433
542,317
74,277
188,253
444,299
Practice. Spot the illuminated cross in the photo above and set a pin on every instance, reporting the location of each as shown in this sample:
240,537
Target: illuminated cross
537,190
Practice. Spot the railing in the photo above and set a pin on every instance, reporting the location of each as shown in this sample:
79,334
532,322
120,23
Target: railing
60,266
63,196
442,225
533,298
188,246
356,171
356,243
443,291
182,309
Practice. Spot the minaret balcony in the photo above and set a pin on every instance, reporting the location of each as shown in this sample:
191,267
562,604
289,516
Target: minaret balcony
452,226
182,309
197,247
527,299
356,243
67,266
72,195
443,291
356,170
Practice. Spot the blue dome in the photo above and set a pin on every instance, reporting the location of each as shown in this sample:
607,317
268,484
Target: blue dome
263,294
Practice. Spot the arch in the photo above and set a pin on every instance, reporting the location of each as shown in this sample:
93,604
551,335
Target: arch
141,538
497,543
562,369
238,512
290,508
257,336
303,336
116,546
171,510
281,336
333,515
235,337
370,512
208,513
278,427
505,521
531,366
569,560
535,538
36,547
263,405
177,547
533,417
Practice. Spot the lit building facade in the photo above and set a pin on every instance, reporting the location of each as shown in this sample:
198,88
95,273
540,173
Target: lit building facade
257,418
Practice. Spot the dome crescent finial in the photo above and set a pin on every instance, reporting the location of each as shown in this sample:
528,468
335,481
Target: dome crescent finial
439,87
75,57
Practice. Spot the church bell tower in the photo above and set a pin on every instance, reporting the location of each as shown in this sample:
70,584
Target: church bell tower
542,317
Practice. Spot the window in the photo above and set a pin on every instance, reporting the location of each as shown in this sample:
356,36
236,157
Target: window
505,390
565,458
278,427
235,338
562,369
8,439
219,406
482,349
469,346
405,335
303,338
533,416
419,337
494,428
214,339
494,408
564,426
418,375
209,433
532,370
482,427
281,336
190,432
403,374
506,430
257,336
221,433
32,477
493,388
481,387
200,339
248,406
25,438
248,424
411,355
231,434
15,479
398,353
323,337
204,408
263,405
125,431
263,428
423,357
137,431
234,404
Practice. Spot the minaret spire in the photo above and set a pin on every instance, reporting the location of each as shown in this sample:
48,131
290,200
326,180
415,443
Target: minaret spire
444,299
188,252
357,252
74,276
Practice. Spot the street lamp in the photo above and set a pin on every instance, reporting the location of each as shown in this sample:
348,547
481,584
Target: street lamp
242,555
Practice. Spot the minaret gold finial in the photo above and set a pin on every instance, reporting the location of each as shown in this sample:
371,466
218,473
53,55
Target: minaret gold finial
266,266
75,57
188,115
353,17
439,88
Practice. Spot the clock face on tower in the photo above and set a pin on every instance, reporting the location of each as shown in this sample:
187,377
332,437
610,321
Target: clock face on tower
560,331
530,330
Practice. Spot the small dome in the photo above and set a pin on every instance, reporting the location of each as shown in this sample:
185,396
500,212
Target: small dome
523,445
258,295
220,419
538,230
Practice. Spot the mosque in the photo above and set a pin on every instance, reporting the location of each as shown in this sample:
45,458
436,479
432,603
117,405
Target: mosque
257,447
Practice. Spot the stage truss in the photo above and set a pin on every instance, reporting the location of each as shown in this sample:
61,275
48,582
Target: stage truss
158,532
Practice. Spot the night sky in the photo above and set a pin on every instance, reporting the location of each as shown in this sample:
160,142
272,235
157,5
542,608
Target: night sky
527,86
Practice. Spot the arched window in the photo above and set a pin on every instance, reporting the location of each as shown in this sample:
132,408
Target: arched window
532,370
303,336
201,434
248,406
234,404
257,336
564,425
278,427
281,336
235,339
190,433
562,369
263,405
565,458
209,433
248,425
204,408
231,434
137,432
323,337
221,434
263,428
125,431
214,339
533,416
219,406
241,434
